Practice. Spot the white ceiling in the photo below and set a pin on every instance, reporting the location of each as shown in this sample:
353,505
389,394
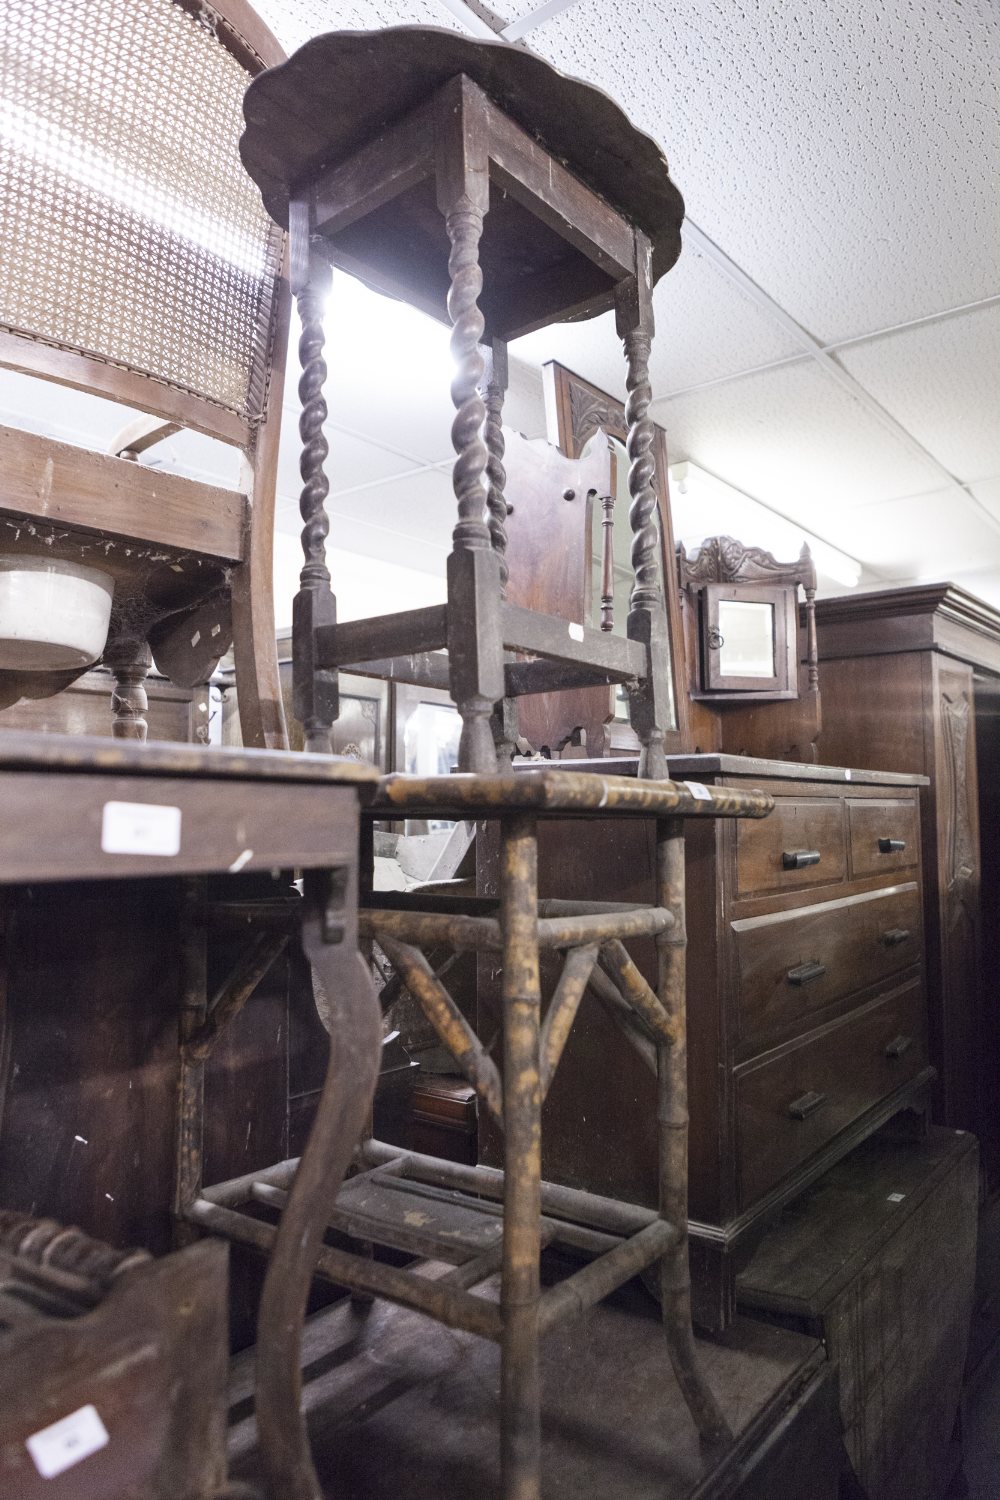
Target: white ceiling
830,339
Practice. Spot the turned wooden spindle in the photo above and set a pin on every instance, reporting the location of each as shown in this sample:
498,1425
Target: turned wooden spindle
475,650
648,705
129,661
608,562
315,693
464,223
812,649
646,589
496,474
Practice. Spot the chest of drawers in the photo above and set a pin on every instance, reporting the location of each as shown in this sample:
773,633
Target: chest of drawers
806,1005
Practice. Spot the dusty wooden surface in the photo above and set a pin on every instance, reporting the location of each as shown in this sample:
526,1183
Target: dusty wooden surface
559,791
398,1405
81,753
150,1358
879,1258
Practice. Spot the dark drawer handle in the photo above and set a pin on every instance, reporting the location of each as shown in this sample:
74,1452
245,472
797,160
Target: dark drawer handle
896,935
891,846
797,859
806,973
806,1105
898,1046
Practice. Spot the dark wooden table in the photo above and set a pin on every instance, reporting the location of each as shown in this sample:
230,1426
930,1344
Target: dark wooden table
204,835
878,1259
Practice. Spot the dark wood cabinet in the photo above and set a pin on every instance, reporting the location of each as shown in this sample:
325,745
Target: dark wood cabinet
911,682
806,999
877,1259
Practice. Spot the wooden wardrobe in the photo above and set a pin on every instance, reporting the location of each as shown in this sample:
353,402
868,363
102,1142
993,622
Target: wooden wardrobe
911,682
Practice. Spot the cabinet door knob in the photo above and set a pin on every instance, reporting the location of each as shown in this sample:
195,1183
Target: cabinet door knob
891,846
893,936
806,1105
898,1046
806,973
797,859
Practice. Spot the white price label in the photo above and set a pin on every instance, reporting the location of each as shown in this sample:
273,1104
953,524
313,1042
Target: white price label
140,828
576,632
67,1442
699,792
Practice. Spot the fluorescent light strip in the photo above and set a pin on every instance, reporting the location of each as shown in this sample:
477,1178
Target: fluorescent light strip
57,149
548,12
468,18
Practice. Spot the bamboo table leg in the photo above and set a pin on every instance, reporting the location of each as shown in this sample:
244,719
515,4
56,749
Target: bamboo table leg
520,1440
329,940
672,1112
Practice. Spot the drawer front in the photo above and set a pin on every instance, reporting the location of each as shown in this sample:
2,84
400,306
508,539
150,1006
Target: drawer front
791,964
800,844
791,1104
883,836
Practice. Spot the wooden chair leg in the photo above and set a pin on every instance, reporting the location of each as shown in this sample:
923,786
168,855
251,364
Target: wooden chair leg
129,660
494,390
649,709
520,1415
255,651
672,1113
475,650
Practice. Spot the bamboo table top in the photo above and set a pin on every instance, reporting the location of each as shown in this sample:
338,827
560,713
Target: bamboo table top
562,793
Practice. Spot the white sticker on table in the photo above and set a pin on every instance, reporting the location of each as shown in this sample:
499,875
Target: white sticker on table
67,1442
576,632
140,828
699,792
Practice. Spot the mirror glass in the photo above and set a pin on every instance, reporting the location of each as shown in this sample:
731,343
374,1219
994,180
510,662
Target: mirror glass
747,647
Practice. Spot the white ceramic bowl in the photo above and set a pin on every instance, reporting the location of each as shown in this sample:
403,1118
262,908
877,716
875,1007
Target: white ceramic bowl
54,615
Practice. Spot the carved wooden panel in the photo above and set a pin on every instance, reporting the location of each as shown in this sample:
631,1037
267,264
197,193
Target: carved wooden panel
958,888
576,411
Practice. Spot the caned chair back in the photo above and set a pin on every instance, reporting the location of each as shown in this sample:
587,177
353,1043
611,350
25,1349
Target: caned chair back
136,258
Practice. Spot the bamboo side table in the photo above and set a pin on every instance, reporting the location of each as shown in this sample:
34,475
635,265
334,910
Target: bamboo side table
434,1210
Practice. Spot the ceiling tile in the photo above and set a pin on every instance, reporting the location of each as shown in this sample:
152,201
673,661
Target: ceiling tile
389,370
352,460
926,536
295,21
705,329
987,492
407,521
843,152
940,381
795,441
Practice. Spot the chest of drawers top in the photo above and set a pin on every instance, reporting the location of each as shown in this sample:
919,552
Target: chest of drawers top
833,832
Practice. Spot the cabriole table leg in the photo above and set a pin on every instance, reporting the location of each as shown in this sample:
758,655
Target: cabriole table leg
329,941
